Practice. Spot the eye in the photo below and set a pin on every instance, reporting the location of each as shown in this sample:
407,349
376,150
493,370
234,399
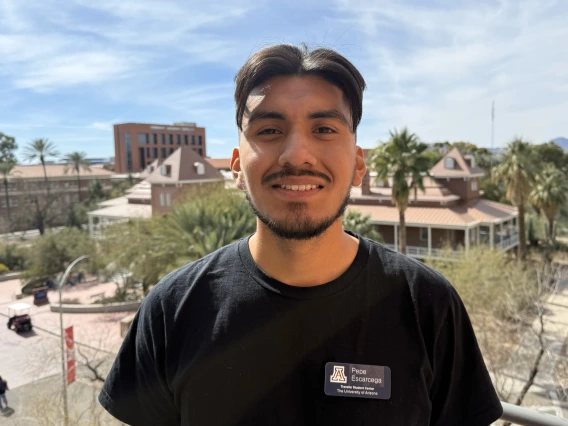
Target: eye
325,130
269,132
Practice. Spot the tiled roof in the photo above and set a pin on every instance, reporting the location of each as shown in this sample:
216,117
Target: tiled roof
461,168
55,171
124,210
479,211
220,163
434,191
182,168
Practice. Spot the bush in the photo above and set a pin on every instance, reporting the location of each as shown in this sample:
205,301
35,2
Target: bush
4,268
13,256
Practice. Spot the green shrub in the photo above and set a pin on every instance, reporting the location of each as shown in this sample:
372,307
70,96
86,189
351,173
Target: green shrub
4,268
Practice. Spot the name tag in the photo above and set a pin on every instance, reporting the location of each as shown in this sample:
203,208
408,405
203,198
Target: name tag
357,380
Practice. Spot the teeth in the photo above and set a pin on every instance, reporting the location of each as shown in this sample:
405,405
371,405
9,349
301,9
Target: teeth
299,187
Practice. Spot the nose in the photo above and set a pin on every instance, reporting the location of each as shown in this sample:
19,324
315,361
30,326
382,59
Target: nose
297,151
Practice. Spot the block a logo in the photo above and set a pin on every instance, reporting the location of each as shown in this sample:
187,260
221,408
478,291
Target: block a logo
338,375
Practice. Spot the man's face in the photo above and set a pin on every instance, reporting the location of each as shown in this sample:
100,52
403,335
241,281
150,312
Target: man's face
297,157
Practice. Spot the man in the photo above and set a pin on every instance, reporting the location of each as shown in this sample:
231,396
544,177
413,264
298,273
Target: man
301,323
3,389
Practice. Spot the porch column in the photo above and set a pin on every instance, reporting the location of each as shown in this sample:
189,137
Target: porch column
396,237
466,240
492,235
91,230
478,235
429,240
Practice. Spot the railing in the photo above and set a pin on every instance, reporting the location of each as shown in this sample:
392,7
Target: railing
422,252
526,417
508,242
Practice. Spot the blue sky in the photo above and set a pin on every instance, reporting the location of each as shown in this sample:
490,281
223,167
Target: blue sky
72,68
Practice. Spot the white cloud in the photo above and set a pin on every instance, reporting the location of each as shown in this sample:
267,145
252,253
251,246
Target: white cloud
103,125
448,63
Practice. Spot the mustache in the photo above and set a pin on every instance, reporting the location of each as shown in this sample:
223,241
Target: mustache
294,172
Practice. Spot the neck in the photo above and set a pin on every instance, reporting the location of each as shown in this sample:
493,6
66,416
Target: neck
304,263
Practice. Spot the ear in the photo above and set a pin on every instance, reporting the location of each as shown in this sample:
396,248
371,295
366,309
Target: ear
360,167
236,168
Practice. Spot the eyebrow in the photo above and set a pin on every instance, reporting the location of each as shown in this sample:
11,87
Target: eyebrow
259,114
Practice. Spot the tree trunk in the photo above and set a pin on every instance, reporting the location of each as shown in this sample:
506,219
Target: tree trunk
522,237
402,232
8,204
39,218
78,186
45,179
551,230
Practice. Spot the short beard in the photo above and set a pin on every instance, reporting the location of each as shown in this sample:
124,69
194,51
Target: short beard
295,227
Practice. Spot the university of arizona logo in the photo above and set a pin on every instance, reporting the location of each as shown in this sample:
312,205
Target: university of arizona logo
338,375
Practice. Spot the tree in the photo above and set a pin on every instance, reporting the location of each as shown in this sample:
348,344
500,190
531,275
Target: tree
8,146
550,153
75,162
6,168
96,192
549,194
41,149
401,158
516,172
355,222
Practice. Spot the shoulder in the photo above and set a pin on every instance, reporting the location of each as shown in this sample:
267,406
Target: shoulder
426,286
177,285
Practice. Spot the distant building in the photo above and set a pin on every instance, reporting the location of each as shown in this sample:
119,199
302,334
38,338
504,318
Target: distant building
163,184
450,212
27,182
136,145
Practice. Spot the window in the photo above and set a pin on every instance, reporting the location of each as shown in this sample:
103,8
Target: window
200,142
474,185
155,139
185,139
147,152
168,199
14,202
166,170
449,163
178,139
171,151
199,168
155,152
171,139
164,153
200,151
162,199
423,234
128,149
193,139
142,138
163,137
4,203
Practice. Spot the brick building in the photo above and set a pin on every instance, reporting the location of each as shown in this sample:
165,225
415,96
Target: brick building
136,145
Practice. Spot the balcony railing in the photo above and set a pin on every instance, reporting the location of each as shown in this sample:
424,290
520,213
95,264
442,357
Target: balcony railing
422,252
508,242
526,417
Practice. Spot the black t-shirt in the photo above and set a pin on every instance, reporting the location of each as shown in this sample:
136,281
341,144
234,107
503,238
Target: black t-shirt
218,342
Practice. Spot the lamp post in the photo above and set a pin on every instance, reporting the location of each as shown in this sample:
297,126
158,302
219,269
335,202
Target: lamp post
63,369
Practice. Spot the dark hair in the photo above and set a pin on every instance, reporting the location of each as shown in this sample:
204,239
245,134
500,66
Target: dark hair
285,59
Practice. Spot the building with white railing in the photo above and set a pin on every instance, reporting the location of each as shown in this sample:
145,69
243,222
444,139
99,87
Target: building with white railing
449,213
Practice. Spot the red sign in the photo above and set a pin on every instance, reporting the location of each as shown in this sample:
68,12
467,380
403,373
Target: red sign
69,343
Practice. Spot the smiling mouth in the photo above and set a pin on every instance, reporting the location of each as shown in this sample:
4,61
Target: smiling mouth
298,187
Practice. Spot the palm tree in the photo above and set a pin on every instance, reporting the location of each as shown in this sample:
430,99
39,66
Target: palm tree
75,161
5,169
40,149
549,194
402,159
516,172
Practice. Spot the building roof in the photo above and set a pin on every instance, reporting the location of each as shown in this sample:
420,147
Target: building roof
457,216
150,168
141,192
182,166
434,192
126,211
54,171
220,163
461,167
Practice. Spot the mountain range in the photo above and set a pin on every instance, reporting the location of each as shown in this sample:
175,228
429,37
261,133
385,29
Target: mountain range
562,143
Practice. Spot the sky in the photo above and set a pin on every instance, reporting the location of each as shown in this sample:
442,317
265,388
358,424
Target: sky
70,69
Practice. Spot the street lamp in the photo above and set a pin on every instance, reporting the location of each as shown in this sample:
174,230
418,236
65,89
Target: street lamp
63,369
